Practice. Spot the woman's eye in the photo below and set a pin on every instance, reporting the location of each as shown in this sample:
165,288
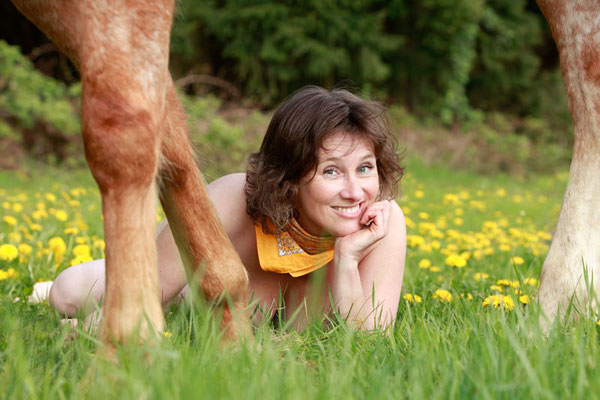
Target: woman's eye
330,172
364,169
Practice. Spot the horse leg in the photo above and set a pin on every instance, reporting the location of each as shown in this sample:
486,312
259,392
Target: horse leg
575,248
123,63
203,244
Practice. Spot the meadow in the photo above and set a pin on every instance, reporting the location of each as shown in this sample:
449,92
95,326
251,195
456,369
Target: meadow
467,324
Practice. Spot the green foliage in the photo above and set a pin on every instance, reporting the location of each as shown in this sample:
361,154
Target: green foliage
433,66
445,58
506,66
271,48
30,96
32,102
223,145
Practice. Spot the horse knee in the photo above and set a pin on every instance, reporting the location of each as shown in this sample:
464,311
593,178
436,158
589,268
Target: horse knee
121,136
231,282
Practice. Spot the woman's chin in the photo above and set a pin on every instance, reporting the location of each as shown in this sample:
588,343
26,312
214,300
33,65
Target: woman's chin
346,229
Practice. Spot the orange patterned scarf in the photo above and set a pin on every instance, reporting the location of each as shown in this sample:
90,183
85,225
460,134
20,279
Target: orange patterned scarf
295,252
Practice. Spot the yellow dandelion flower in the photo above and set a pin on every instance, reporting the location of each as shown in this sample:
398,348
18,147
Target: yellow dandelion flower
78,191
433,268
8,252
517,260
35,227
82,250
524,299
458,221
544,235
15,237
451,198
442,295
61,215
50,197
57,246
71,231
80,259
99,244
500,192
6,205
455,260
168,334
39,214
499,301
25,249
503,282
423,215
424,263
488,251
479,276
504,247
412,298
17,207
10,220
414,240
419,194
496,288
459,212
531,281
467,296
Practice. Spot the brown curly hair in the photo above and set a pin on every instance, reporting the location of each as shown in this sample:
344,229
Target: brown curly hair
296,133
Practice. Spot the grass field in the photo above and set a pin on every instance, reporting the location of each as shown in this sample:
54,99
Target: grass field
467,324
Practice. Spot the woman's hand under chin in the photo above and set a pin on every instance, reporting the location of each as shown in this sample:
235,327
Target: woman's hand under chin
375,221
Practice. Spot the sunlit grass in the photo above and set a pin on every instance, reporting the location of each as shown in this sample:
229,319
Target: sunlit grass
467,324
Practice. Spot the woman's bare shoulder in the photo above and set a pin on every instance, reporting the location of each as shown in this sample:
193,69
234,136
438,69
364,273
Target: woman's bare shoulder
228,197
227,185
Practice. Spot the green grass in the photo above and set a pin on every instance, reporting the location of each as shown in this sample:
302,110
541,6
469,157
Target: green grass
438,349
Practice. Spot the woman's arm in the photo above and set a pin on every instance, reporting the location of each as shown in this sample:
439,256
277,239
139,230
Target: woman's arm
369,266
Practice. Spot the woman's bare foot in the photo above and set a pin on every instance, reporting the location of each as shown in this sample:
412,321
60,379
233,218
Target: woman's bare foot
41,292
75,326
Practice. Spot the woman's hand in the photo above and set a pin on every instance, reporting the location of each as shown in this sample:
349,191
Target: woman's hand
375,221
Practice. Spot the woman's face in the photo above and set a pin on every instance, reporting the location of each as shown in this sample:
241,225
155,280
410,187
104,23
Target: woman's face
345,183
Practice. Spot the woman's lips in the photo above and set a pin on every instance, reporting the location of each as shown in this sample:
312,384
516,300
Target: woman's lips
349,211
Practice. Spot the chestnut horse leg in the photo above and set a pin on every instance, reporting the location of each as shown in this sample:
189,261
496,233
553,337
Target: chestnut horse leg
124,71
575,248
203,244
121,49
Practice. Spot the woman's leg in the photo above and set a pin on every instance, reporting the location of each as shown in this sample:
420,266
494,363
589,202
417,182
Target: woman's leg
78,290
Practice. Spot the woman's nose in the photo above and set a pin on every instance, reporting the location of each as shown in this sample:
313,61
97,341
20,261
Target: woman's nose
352,189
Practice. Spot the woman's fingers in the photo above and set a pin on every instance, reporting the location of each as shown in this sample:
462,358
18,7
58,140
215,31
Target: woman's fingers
373,209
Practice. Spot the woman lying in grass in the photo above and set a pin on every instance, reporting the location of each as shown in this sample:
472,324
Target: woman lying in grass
319,193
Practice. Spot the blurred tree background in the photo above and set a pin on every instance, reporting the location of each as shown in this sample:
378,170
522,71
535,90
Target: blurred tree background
482,73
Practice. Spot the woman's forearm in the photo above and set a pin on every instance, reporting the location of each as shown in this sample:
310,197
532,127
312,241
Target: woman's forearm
348,295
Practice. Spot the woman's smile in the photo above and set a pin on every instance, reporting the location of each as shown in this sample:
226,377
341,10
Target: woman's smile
349,211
